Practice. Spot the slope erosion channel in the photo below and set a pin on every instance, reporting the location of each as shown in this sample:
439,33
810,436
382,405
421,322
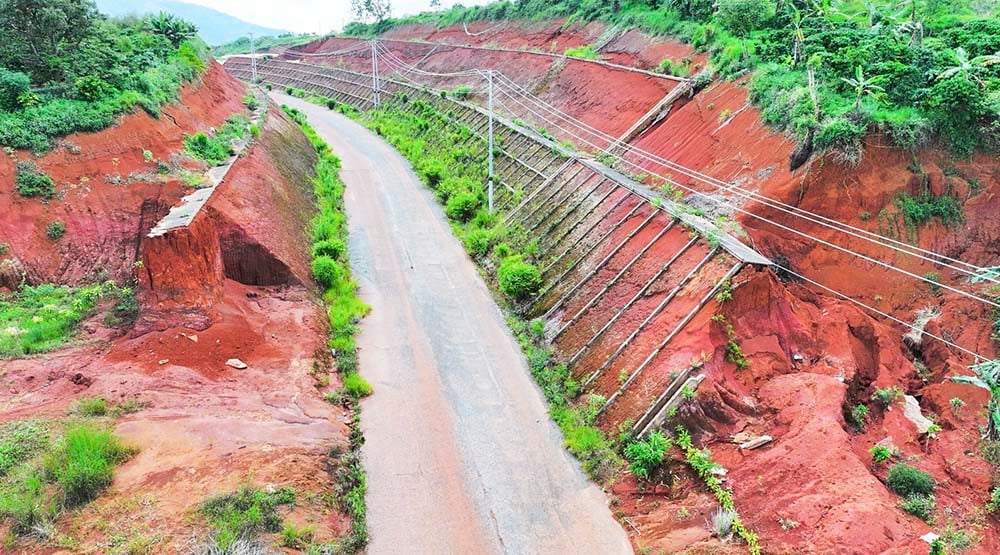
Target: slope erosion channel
461,454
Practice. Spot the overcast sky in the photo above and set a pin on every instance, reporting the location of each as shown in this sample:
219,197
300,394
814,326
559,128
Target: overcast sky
311,16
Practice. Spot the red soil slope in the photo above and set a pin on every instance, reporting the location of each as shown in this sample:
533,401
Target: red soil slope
815,488
235,284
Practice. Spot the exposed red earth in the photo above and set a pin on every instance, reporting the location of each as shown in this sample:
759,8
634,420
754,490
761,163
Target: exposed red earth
235,284
814,489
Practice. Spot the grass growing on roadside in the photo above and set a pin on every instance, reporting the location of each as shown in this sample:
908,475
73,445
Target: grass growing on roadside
245,513
36,319
331,268
39,477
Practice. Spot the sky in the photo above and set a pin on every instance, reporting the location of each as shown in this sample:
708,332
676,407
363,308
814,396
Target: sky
311,16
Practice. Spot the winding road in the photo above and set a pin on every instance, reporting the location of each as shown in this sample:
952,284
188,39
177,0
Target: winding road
460,452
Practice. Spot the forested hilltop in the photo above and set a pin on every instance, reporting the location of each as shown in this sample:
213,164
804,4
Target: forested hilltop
65,68
825,71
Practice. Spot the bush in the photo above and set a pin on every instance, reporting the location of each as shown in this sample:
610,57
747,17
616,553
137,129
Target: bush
885,397
208,149
332,248
83,462
994,503
880,453
462,206
327,271
432,171
55,230
13,84
251,101
356,386
518,279
32,183
906,480
92,88
246,512
920,506
647,455
479,241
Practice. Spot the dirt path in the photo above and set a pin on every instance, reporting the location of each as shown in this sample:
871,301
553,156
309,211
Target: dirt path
460,452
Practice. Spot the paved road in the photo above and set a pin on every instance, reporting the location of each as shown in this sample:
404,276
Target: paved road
460,452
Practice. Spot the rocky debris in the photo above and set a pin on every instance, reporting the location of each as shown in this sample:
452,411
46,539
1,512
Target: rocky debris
756,442
911,410
80,379
236,363
161,362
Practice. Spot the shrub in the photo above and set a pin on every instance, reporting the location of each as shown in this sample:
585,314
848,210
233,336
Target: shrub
920,506
906,480
92,407
55,230
918,210
462,206
208,149
885,397
245,512
518,279
13,84
432,171
880,453
646,455
92,88
333,248
327,271
478,241
251,101
994,503
32,183
356,386
859,416
83,462
722,522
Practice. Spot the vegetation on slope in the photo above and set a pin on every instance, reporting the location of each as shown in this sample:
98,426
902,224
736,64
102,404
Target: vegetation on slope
65,68
40,318
242,44
826,71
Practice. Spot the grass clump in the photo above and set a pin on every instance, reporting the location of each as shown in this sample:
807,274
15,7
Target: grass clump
905,480
245,513
219,147
645,456
585,52
920,506
83,462
94,406
31,182
519,280
36,319
356,386
881,453
55,230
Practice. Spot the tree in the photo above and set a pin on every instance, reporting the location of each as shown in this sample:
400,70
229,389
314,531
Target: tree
864,86
987,377
175,29
38,36
371,10
968,68
13,84
742,17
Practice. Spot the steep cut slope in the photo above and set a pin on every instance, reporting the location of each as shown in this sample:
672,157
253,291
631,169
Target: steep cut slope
233,284
812,355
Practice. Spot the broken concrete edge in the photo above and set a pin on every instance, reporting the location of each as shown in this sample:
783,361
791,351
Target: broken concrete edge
190,206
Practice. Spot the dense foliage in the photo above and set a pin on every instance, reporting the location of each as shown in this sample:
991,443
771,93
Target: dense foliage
827,71
242,44
65,68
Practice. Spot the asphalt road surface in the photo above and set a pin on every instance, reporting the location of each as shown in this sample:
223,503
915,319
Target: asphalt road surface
460,452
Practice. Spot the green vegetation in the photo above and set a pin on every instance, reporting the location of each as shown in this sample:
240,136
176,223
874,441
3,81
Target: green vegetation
646,456
825,72
39,477
219,147
905,480
242,44
885,397
881,453
859,416
918,210
64,68
245,513
55,230
36,319
345,310
586,52
518,279
920,506
994,504
31,182
94,406
701,462
988,377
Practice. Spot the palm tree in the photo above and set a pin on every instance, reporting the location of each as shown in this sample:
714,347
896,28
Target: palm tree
987,377
966,67
175,29
864,86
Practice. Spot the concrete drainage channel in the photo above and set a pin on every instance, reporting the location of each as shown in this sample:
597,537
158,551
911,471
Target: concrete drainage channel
629,271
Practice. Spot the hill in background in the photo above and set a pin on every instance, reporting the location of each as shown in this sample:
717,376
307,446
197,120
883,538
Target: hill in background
214,26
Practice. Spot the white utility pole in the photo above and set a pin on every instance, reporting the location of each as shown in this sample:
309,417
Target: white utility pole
489,82
253,61
375,83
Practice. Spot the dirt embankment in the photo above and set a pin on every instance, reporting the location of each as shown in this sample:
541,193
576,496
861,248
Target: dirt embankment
235,284
815,489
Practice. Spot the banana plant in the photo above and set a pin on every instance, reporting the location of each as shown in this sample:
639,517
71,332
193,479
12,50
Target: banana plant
987,377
